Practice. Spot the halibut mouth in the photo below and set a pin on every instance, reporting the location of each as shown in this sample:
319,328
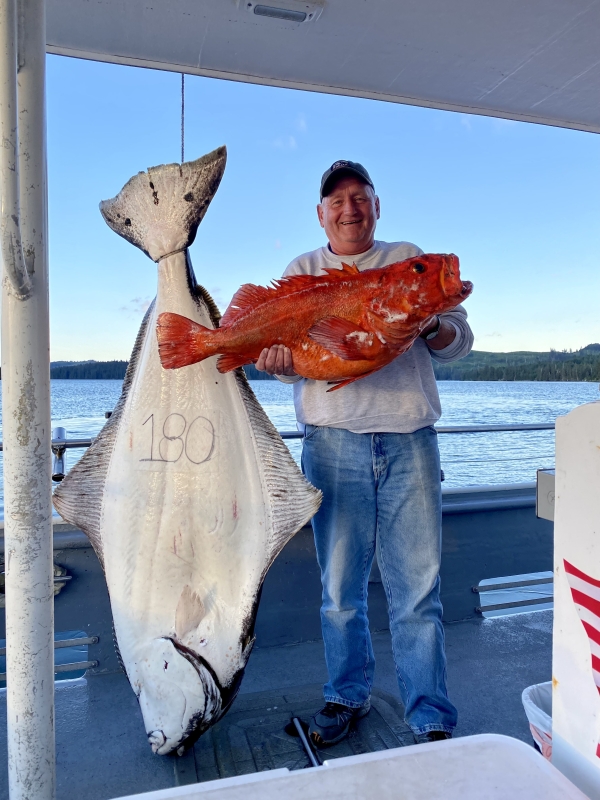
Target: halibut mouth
188,494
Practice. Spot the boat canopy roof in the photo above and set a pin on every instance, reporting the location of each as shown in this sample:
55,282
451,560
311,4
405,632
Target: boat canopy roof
532,60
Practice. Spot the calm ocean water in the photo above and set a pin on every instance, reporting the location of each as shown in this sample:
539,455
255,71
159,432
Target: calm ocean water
467,459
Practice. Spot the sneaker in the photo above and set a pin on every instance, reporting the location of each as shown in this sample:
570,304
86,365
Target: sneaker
333,721
432,736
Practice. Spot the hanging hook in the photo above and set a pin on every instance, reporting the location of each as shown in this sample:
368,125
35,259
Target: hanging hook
182,117
10,224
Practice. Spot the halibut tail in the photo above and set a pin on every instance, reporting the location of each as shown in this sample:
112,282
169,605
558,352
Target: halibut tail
181,341
159,210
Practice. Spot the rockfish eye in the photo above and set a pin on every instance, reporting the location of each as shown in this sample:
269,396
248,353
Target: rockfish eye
419,268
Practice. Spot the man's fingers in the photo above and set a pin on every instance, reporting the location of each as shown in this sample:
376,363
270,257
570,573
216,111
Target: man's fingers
276,360
288,362
260,364
279,361
271,360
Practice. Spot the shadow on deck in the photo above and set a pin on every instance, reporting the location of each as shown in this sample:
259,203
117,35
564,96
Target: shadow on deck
102,751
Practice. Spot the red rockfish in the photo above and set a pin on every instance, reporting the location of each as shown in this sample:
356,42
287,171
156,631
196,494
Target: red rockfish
340,326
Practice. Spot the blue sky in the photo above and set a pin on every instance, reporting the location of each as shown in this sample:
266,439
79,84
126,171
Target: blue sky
518,203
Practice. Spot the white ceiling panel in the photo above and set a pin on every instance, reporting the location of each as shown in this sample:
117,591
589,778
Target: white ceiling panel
535,60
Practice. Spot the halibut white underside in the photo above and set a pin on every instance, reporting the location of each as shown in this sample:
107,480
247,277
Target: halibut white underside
189,493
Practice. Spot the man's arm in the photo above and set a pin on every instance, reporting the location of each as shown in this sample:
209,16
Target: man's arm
445,335
458,337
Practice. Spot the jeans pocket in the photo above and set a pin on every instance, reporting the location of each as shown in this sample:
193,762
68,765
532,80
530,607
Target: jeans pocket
309,431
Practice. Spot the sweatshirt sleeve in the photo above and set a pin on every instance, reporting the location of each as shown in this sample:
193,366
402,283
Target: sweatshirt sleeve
289,378
463,342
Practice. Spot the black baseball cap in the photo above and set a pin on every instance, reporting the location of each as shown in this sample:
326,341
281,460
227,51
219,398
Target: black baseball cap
350,167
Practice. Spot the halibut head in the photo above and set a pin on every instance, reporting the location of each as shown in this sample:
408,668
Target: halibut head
188,494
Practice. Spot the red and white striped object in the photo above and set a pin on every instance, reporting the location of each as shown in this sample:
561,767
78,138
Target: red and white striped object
586,596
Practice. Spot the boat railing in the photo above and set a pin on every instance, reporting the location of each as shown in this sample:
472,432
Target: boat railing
60,442
74,444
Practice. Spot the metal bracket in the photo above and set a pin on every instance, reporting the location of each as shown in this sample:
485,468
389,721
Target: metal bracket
58,462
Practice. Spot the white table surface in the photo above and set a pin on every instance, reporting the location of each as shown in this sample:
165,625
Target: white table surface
483,767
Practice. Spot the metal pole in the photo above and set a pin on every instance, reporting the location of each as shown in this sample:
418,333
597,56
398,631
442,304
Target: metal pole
26,408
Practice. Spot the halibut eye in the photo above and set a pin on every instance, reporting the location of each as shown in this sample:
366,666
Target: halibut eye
419,268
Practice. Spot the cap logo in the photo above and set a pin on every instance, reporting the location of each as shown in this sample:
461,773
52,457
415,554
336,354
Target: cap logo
338,164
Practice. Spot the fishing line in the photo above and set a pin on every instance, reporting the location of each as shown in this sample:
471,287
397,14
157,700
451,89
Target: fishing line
182,117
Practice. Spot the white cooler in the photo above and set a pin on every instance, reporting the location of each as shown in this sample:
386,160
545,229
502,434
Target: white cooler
484,767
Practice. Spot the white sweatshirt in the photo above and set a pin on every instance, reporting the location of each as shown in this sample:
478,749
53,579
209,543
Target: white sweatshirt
400,398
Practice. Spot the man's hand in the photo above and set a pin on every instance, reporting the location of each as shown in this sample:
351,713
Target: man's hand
445,336
276,360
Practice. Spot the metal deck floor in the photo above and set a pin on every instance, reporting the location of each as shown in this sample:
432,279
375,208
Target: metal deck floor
102,751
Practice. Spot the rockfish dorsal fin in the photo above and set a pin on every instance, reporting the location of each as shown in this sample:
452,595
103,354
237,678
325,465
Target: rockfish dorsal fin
249,296
346,271
159,211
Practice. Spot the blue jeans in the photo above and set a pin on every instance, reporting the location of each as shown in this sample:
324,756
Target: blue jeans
381,491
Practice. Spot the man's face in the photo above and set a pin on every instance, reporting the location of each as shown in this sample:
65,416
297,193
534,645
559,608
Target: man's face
349,216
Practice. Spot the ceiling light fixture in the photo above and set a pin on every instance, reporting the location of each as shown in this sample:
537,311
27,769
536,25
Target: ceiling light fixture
299,11
280,13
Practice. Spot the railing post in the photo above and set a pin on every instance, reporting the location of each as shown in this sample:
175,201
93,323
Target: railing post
26,403
59,450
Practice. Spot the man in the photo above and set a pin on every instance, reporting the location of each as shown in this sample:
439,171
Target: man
371,448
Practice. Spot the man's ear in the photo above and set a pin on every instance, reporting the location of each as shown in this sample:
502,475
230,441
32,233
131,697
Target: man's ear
320,214
377,208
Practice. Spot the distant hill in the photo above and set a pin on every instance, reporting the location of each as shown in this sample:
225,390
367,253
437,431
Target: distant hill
581,365
254,375
106,370
89,370
479,365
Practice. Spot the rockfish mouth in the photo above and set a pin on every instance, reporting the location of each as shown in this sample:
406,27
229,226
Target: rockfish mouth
340,327
467,288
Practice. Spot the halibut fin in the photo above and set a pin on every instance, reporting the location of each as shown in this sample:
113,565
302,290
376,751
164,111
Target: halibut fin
78,499
292,500
346,339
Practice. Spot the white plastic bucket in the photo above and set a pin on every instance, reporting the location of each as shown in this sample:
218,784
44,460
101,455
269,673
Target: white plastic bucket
537,702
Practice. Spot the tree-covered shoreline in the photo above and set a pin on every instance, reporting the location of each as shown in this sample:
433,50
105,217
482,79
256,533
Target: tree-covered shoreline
580,365
479,365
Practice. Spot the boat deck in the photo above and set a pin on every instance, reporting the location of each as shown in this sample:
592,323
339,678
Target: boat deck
102,750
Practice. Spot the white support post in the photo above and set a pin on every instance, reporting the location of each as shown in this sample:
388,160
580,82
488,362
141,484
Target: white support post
26,402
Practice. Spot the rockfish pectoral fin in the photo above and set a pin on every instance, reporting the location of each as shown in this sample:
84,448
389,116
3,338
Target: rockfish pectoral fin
346,339
181,341
397,334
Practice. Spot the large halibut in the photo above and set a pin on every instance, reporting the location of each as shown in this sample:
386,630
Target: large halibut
188,494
